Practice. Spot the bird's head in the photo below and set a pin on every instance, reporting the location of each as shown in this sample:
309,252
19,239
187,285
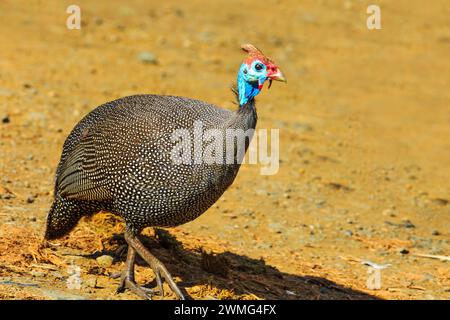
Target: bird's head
254,71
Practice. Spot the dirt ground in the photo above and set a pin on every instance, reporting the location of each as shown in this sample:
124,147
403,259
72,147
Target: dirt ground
364,137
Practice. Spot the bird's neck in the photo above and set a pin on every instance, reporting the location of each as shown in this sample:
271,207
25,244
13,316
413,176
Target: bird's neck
245,117
247,114
240,124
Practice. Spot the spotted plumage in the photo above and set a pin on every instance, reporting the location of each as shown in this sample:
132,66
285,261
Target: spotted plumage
118,158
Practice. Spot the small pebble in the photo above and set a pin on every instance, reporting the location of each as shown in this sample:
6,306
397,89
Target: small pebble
6,119
389,213
105,261
404,251
30,199
436,233
408,224
147,57
439,201
276,227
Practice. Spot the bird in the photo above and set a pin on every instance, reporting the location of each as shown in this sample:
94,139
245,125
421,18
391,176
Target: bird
119,158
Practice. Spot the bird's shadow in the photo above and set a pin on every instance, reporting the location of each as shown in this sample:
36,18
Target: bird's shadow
234,273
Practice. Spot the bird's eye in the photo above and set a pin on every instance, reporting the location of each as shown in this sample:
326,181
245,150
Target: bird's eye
258,66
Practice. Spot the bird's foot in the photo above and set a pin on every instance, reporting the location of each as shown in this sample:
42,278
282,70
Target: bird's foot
157,266
127,282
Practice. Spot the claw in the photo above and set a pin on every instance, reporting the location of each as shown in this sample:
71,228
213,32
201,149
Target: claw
142,292
127,278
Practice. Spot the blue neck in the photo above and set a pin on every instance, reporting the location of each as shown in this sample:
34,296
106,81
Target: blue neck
247,89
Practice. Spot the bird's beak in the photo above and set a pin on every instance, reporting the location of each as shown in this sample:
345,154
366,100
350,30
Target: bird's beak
276,74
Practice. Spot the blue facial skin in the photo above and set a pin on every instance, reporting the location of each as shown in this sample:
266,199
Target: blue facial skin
250,80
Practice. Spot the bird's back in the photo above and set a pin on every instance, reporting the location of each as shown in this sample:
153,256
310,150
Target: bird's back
162,113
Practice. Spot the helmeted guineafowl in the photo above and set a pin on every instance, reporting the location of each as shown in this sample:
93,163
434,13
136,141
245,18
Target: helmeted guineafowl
120,158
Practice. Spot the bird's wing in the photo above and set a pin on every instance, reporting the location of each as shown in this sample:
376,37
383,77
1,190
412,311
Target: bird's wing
81,176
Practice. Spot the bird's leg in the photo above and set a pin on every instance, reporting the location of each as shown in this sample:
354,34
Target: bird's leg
158,267
127,278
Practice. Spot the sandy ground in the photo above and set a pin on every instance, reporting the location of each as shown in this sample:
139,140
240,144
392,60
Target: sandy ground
364,136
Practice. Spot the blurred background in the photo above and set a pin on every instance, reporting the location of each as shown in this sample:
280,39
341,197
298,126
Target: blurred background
364,137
